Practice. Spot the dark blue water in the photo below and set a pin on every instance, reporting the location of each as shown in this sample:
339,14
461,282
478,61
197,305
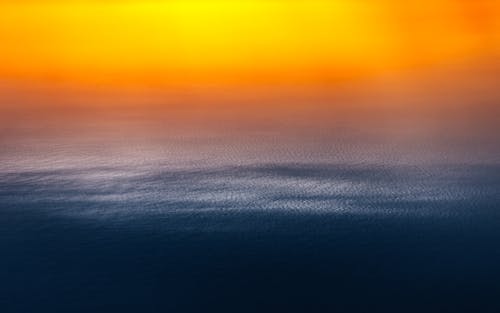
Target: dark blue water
273,237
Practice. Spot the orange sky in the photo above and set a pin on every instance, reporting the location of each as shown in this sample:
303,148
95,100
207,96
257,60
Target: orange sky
217,42
263,66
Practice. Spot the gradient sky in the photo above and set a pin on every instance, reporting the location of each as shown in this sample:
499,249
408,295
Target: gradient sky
207,42
286,66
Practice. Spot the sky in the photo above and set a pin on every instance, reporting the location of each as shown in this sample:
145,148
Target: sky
216,42
213,64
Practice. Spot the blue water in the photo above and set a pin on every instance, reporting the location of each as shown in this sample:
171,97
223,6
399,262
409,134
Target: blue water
254,237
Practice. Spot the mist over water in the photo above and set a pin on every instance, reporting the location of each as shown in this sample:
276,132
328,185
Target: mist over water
339,202
118,218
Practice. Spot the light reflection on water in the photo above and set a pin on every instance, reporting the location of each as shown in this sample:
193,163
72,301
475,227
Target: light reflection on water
261,223
315,178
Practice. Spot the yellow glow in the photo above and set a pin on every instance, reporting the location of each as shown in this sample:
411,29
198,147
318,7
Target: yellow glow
212,41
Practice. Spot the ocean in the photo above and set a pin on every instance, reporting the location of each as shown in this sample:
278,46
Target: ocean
88,227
